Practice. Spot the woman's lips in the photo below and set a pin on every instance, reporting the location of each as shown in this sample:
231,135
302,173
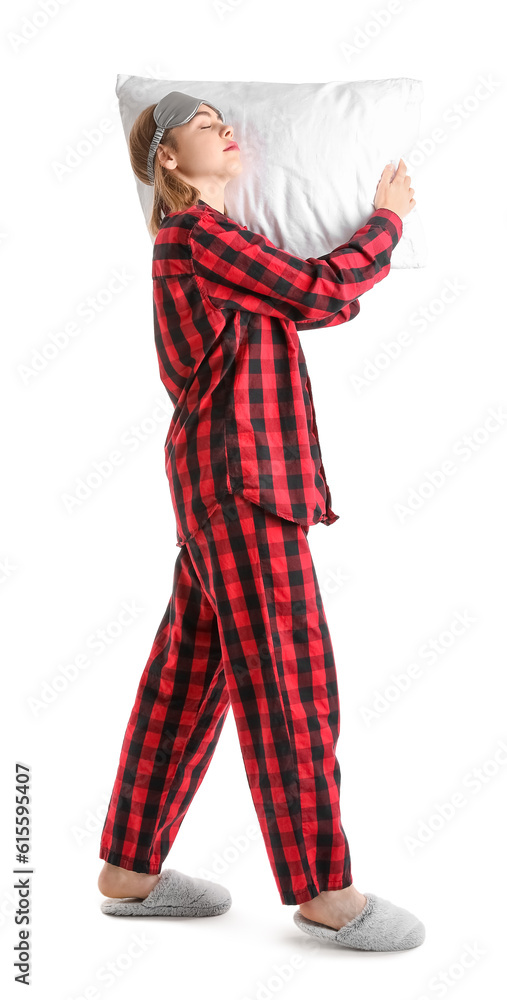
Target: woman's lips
233,145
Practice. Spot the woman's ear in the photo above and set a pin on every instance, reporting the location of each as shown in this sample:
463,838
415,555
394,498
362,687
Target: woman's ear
166,158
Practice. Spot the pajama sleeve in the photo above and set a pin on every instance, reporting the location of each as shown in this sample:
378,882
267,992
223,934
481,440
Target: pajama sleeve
243,270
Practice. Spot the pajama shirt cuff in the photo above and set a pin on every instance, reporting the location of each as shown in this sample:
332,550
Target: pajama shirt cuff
394,218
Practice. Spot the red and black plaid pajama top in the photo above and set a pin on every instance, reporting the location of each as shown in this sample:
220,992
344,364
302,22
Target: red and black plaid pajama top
228,305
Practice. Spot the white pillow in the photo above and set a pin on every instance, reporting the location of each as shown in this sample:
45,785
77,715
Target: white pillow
312,154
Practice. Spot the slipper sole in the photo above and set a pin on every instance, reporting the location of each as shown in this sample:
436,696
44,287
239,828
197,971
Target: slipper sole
129,908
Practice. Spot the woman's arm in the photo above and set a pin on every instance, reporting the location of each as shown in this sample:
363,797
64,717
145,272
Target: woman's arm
239,269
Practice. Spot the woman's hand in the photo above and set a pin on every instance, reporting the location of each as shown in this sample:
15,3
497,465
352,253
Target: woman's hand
394,191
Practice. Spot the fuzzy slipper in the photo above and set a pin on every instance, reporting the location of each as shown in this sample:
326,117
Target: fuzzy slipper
381,926
174,895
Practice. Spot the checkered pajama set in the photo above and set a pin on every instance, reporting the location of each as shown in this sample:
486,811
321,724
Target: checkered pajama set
245,623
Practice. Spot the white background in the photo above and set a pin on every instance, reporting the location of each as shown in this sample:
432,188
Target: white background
66,573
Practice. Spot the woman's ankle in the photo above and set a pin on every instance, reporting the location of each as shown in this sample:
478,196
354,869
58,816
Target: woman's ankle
115,880
120,872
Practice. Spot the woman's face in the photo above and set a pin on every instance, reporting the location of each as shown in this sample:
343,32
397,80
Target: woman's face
202,150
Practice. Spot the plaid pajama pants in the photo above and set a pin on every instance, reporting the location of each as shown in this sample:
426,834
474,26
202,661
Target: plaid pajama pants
245,626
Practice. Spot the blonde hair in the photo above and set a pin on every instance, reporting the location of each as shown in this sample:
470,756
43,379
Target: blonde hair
170,192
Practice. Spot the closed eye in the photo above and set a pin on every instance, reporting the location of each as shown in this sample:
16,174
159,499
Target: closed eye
205,126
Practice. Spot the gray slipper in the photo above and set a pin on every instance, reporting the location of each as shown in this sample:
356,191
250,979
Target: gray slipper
381,926
174,895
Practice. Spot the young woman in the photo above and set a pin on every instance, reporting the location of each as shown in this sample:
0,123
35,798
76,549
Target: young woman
245,624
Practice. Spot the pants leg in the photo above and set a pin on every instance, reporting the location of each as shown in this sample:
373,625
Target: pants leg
245,626
178,715
258,574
